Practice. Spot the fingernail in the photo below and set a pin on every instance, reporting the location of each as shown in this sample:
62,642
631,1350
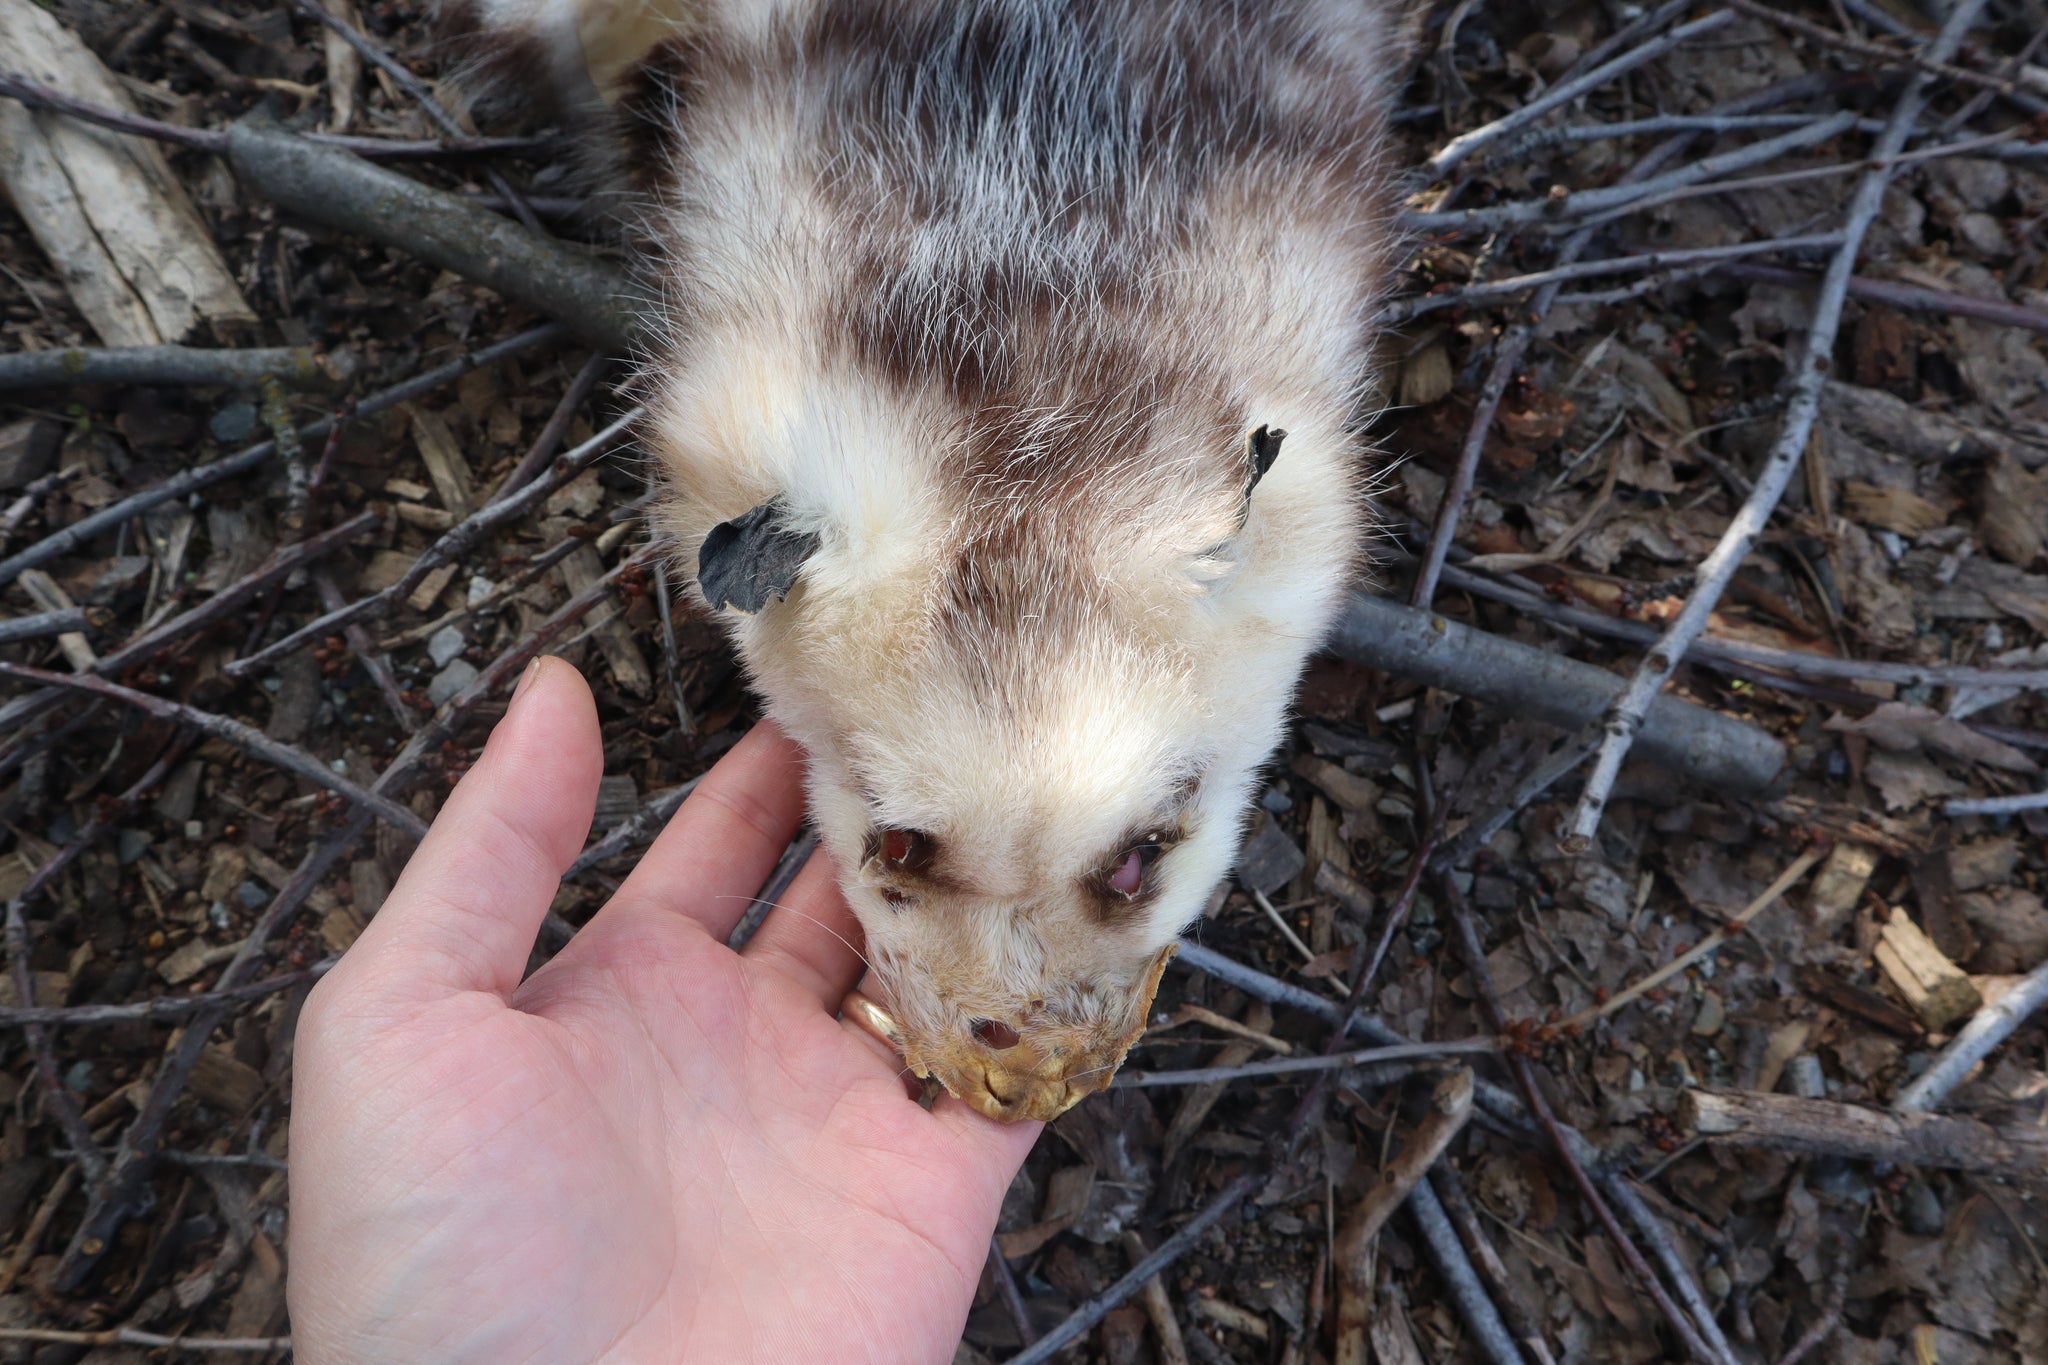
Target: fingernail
526,679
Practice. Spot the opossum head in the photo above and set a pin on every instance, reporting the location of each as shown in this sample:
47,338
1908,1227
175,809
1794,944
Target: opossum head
1036,669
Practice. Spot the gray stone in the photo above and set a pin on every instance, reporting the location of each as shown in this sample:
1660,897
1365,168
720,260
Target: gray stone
459,674
445,644
131,844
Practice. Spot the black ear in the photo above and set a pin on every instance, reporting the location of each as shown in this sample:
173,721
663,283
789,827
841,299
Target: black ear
752,558
1261,448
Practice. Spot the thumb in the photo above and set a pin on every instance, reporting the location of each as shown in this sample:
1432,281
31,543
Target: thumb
464,915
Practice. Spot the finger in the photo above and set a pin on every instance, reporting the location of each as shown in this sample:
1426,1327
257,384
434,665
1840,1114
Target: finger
720,847
811,936
464,914
991,1151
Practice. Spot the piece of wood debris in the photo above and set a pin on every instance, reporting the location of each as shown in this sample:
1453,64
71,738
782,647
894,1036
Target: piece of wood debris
50,596
1932,986
1838,889
1816,1127
621,651
442,455
1228,1315
136,257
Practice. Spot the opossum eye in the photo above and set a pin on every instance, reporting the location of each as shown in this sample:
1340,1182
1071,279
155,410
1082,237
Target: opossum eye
905,848
1127,877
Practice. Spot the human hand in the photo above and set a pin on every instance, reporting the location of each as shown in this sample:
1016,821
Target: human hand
653,1149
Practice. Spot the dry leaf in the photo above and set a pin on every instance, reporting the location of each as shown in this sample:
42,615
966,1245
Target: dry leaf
1906,780
2015,513
1892,509
1902,727
1426,376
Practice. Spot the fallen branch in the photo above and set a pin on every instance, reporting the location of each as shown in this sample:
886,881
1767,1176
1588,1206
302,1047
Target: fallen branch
1702,745
1292,1066
1912,297
1481,1317
1625,718
1501,1288
1998,805
1790,1123
159,365
114,515
245,737
329,186
130,1336
1171,1250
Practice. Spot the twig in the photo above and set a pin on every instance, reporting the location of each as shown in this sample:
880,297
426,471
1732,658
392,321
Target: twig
327,185
1704,745
43,624
130,1336
1279,922
28,92
165,1007
1465,930
1926,63
779,878
38,1224
1792,1123
1991,1026
1482,1319
1910,296
1013,1298
1625,718
1998,805
421,96
242,736
374,664
1562,757
686,723
64,541
1628,195
550,438
450,547
218,606
1706,947
1289,1066
1173,1347
1831,1312
1171,1250
1709,649
159,365
1565,92
1487,291
1501,1288
1450,1108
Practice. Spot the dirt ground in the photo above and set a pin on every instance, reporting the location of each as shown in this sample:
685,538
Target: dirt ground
145,856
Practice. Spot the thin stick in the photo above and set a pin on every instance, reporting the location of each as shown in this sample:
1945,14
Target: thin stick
1466,931
38,1224
1449,1110
43,624
1171,1250
17,87
1706,947
1487,291
1459,148
1998,805
1013,1298
1289,1066
130,1336
160,365
1927,63
375,664
1991,1026
1910,296
635,830
557,426
164,1008
449,548
1173,1347
1501,1288
421,96
245,737
68,539
1625,717
1308,954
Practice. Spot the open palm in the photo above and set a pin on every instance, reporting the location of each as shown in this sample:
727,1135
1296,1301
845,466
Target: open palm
655,1148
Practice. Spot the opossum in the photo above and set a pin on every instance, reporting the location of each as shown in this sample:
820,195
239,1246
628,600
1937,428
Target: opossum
1006,390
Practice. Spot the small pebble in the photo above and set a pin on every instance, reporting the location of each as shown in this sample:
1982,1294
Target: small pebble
459,674
1920,1210
1276,801
78,1077
1712,1014
251,894
132,844
217,916
234,423
446,643
480,588
194,830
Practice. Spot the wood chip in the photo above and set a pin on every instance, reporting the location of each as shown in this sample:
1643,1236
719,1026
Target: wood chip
1228,1315
192,957
50,596
442,455
423,597
222,1081
1932,986
615,639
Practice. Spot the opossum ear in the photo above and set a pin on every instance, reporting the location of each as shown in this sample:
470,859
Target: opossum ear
1261,448
752,558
